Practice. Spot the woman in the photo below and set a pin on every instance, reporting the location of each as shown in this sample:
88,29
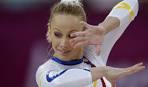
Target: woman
68,67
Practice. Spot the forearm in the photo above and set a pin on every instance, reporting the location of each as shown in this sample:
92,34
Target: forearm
109,24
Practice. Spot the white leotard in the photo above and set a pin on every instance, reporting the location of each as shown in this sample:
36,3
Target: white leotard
57,73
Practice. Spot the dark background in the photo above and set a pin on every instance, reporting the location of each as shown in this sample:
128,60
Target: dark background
23,45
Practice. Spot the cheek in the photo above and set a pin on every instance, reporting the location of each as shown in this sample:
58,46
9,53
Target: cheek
79,49
55,42
53,38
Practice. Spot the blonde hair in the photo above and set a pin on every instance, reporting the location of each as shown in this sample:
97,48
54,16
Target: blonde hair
68,7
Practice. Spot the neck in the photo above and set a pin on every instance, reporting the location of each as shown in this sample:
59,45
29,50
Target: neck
68,58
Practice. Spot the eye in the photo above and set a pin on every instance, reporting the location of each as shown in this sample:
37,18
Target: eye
58,34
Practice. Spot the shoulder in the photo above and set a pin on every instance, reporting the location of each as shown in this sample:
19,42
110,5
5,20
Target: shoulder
46,66
43,70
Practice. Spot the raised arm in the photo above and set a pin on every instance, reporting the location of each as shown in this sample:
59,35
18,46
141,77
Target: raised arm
125,12
113,27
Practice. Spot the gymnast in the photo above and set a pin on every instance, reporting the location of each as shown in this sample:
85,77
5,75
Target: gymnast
80,50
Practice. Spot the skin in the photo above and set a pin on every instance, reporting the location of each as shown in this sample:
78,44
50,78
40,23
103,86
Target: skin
113,74
59,34
94,35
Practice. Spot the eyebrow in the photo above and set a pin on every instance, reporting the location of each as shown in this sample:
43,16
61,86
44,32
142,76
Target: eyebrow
73,31
60,30
57,28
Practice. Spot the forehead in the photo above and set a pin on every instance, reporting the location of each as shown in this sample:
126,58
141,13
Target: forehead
66,23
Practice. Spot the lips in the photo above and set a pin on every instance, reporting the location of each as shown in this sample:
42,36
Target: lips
62,52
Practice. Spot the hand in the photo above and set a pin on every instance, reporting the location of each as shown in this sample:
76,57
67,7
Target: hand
93,35
114,74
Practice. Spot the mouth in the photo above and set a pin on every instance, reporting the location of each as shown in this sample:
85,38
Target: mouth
62,52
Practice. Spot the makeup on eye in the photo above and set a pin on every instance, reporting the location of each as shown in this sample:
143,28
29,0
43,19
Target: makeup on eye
58,34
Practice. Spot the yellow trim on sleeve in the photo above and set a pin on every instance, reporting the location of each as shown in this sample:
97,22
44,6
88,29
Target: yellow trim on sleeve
40,79
95,83
126,6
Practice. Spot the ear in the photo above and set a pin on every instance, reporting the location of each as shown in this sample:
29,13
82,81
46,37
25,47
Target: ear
49,27
48,33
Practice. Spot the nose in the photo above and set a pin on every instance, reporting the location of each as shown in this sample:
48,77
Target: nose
64,44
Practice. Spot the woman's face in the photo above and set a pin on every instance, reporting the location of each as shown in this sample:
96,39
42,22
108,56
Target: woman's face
59,33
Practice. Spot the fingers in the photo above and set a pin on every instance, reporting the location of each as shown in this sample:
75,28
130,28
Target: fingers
117,73
86,25
79,41
81,44
82,33
79,34
135,68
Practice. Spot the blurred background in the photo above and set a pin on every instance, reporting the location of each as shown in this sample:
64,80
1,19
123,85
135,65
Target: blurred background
23,45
